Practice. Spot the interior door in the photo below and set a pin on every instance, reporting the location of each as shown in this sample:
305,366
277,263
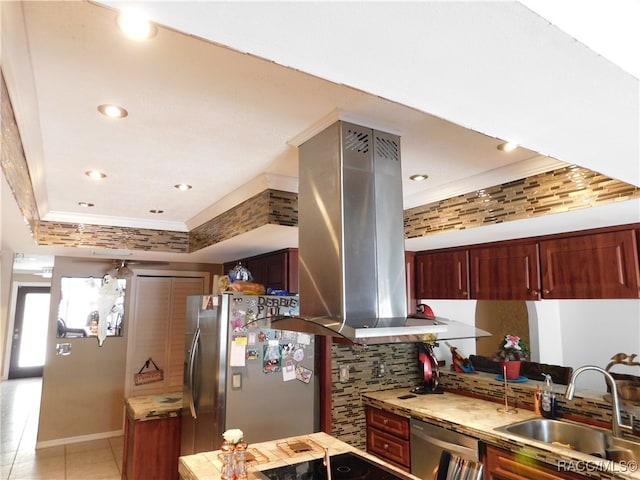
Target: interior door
29,332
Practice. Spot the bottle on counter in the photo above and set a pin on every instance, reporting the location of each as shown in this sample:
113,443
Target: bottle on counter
240,461
548,400
227,470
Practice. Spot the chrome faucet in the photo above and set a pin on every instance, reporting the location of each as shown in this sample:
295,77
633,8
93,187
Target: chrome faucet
617,427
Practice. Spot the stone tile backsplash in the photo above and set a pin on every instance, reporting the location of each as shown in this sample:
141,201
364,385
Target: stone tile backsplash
402,371
560,190
348,412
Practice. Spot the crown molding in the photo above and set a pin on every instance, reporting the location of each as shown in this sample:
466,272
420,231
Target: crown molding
140,223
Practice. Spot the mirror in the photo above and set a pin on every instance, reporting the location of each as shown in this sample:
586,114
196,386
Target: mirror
91,307
564,332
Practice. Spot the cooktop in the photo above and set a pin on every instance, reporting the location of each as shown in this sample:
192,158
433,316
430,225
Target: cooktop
343,466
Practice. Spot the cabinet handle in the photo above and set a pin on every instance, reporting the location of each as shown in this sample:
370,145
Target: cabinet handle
463,293
546,292
534,293
385,421
386,446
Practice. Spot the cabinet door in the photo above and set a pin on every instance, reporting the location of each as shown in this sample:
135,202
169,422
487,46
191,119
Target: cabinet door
258,270
504,465
601,265
442,275
158,329
388,437
509,272
181,288
388,447
151,450
277,270
410,276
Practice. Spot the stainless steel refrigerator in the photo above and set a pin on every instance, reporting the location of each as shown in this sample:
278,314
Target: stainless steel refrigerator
240,374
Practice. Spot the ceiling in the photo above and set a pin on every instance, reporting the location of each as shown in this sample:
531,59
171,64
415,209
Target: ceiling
225,116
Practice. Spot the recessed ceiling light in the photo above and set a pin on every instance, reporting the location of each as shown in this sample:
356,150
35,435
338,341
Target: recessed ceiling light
95,175
183,186
418,177
156,211
507,146
112,111
86,204
135,24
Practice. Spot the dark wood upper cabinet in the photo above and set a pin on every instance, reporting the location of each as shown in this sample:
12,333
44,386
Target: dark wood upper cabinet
277,269
410,273
442,275
599,265
596,263
505,272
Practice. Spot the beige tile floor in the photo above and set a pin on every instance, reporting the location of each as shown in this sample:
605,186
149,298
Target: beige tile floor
19,409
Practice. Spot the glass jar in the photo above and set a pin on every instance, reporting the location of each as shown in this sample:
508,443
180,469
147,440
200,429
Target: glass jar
240,461
227,471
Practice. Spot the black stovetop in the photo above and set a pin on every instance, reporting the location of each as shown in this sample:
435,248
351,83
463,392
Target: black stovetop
345,466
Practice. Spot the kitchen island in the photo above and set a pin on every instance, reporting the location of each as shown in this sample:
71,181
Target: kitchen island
273,454
152,437
480,418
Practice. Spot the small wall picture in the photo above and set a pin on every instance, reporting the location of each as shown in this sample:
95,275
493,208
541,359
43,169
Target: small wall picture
252,354
272,359
303,374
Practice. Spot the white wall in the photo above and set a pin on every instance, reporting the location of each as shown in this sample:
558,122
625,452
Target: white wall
593,331
545,332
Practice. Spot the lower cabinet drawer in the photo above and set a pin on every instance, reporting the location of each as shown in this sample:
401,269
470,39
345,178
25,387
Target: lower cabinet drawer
389,447
388,422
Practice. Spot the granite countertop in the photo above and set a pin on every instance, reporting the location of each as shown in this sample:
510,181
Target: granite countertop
152,407
479,418
206,466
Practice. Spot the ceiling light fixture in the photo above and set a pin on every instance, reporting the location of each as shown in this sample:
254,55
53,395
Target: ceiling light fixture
95,175
113,252
120,270
112,111
136,25
183,186
419,177
86,204
507,146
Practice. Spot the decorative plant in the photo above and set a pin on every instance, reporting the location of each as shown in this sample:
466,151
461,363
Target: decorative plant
233,436
512,348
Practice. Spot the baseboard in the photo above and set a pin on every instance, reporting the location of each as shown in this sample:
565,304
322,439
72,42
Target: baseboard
79,439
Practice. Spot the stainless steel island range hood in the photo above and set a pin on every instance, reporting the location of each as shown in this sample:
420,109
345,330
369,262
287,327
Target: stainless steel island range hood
351,241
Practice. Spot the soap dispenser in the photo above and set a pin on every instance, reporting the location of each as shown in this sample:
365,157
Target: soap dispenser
537,400
548,398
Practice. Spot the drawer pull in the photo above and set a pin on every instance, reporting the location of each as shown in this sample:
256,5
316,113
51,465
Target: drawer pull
385,421
386,446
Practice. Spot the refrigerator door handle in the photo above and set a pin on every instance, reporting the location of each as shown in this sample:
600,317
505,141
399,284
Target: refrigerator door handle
195,343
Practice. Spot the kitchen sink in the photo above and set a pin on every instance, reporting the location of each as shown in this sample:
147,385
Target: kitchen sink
581,438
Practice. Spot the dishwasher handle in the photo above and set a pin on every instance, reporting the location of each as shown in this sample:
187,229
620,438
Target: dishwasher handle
453,444
459,450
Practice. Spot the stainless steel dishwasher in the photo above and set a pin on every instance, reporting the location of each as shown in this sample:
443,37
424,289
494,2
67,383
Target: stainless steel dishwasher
429,441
